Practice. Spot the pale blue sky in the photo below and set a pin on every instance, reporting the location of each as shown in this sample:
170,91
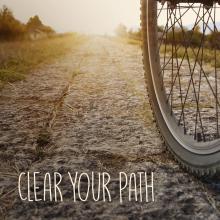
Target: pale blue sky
90,16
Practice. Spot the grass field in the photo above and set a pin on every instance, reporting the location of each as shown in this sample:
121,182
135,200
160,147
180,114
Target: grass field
17,59
208,54
128,40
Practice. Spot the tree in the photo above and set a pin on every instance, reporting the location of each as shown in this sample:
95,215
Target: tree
10,28
213,40
121,30
34,23
196,36
135,34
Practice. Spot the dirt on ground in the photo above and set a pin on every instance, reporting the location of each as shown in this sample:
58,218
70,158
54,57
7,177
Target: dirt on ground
89,112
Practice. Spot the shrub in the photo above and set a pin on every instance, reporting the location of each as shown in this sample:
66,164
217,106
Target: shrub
10,28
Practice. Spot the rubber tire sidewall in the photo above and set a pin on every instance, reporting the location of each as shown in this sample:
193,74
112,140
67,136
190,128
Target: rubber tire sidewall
207,163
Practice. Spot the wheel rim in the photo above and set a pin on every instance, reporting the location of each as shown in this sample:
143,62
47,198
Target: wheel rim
188,95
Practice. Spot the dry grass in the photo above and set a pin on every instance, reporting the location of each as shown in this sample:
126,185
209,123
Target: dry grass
208,54
128,40
18,58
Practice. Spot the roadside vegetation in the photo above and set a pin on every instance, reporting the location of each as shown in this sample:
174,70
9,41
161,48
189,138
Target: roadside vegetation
24,47
208,54
18,58
128,36
211,42
12,29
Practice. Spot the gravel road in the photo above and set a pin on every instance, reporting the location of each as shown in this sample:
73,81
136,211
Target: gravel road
88,112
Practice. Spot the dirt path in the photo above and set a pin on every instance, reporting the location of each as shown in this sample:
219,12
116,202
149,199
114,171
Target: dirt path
89,112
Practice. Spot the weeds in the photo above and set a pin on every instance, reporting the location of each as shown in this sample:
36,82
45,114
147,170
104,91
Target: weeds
44,138
17,59
42,143
208,54
128,40
10,75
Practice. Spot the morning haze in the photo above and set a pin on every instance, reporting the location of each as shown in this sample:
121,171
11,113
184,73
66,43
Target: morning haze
87,16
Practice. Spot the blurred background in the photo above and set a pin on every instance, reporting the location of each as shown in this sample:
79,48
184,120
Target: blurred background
38,28
85,16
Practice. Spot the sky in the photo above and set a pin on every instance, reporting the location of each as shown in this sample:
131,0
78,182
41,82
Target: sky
87,16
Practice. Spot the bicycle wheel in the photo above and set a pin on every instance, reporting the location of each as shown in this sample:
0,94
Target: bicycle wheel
181,46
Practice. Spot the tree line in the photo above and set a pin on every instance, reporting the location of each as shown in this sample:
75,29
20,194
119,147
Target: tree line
13,29
184,37
193,37
123,31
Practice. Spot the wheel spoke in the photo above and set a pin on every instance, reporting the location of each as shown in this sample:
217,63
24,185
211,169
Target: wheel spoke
185,93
